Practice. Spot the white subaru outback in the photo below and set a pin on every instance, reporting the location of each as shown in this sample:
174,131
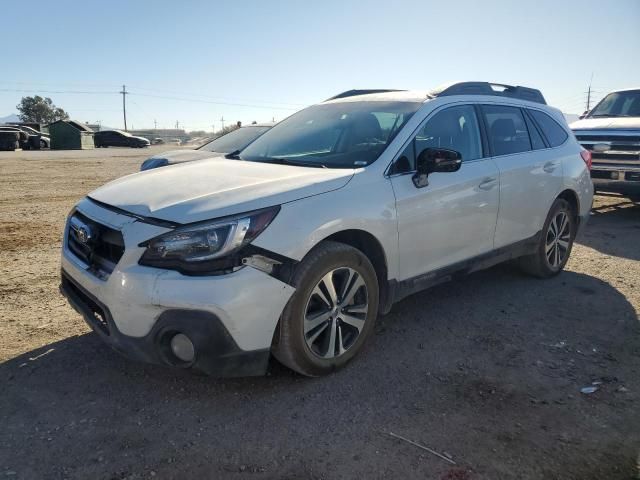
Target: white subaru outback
293,246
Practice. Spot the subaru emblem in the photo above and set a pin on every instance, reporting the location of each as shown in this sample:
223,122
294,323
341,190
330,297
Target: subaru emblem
83,235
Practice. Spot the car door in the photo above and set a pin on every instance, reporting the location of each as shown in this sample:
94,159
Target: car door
453,218
530,173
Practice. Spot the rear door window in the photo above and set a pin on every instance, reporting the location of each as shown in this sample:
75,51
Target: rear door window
537,142
555,134
507,130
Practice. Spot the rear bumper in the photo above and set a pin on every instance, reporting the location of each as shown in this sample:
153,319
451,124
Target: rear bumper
217,353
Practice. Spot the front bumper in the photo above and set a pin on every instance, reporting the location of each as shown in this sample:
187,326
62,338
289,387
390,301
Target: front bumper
230,318
217,354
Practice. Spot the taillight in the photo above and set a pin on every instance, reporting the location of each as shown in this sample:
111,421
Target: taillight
586,156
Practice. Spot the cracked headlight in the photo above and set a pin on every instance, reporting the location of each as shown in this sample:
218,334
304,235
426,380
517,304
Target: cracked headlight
197,247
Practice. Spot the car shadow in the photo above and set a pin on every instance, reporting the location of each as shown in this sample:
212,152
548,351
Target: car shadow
614,228
491,363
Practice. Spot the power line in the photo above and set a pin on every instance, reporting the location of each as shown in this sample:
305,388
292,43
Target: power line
211,102
34,90
225,99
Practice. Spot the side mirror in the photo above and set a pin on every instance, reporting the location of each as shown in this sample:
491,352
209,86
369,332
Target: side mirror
432,160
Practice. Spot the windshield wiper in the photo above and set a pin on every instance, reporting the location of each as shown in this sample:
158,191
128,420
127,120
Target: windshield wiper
287,161
608,115
235,155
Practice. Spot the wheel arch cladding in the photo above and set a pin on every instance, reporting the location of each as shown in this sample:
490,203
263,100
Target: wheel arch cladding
572,198
373,250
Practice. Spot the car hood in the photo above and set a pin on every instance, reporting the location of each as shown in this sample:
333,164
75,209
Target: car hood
622,123
214,188
146,140
185,155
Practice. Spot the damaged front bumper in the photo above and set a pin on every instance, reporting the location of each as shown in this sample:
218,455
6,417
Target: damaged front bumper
229,318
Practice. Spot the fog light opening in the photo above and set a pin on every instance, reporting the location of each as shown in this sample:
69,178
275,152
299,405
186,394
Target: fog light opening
182,347
615,175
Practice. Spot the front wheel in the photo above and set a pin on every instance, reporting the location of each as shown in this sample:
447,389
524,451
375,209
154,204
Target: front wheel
332,312
555,244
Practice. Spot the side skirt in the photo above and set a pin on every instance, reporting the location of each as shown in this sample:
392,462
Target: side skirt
404,288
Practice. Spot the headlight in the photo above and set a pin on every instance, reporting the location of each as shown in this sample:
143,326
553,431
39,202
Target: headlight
200,248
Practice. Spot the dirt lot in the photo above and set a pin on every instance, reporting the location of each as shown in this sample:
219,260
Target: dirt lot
487,370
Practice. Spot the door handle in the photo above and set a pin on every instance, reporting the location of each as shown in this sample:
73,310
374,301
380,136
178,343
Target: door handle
488,183
549,167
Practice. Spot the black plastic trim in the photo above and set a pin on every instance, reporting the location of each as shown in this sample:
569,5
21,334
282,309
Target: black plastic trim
217,354
404,288
485,88
151,220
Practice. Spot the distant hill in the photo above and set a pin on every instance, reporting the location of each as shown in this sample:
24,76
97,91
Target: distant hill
10,118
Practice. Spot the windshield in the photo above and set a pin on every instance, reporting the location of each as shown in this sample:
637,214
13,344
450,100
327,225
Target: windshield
335,135
618,104
126,134
235,140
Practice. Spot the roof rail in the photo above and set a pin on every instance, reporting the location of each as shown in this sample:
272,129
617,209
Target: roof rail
488,88
354,93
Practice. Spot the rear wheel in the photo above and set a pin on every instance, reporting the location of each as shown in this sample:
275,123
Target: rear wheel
555,244
331,314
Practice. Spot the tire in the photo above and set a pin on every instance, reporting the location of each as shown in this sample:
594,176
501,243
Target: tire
553,250
43,144
315,338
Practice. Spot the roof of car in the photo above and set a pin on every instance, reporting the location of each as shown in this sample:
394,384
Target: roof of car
626,90
388,96
450,89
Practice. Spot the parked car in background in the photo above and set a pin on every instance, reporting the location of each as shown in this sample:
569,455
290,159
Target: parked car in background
118,138
611,132
29,137
294,246
234,141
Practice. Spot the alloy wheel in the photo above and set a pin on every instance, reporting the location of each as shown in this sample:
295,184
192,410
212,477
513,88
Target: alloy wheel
336,312
558,239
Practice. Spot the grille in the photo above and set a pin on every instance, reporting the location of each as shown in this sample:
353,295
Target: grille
624,147
98,246
608,138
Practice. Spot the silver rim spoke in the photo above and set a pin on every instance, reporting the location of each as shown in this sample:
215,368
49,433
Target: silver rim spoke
336,312
355,322
314,337
331,347
558,239
313,322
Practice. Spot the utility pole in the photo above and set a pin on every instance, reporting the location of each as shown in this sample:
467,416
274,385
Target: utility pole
589,94
124,106
177,124
222,122
155,124
213,128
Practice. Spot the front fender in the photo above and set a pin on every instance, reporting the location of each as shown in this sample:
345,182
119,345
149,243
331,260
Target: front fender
366,203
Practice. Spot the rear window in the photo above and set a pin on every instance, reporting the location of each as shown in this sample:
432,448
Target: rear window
555,134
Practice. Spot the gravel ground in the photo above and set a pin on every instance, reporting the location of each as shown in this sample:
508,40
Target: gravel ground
486,371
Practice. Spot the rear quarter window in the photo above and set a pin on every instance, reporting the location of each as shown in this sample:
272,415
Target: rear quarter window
555,134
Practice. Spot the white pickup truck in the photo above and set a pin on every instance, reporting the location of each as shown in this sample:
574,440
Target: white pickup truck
611,132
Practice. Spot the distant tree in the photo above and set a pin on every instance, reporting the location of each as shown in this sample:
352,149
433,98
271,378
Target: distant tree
40,110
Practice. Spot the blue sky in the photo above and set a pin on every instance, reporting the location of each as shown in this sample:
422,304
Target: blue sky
254,60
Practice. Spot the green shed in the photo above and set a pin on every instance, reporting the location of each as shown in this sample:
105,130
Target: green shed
70,135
